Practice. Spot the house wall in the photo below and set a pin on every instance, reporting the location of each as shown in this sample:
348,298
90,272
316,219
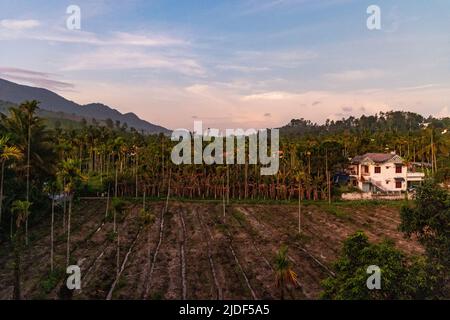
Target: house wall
385,179
387,176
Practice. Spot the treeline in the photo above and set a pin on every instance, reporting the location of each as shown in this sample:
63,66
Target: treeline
400,122
124,162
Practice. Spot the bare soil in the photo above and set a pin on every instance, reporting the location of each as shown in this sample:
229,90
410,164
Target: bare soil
199,253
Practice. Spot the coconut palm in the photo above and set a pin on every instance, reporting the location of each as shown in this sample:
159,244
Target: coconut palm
283,271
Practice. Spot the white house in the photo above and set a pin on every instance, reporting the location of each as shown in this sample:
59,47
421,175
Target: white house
382,172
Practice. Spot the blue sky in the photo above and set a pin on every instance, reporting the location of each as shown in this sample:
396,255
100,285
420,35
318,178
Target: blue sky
234,63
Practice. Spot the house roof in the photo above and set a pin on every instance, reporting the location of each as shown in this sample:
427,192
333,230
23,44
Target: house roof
374,157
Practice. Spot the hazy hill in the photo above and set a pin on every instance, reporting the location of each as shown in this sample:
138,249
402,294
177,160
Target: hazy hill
50,101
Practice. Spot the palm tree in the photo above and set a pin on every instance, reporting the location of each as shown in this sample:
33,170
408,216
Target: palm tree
299,178
29,134
29,108
21,209
71,175
283,271
6,153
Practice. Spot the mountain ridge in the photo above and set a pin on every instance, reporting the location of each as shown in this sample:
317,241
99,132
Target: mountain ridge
51,101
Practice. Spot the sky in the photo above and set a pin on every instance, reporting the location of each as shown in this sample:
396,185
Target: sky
234,63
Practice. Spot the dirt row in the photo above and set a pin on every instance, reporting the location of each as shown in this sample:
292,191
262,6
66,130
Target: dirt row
194,251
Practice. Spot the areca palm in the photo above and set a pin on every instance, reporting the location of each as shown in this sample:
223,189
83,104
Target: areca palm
300,177
21,209
51,188
29,134
71,175
6,153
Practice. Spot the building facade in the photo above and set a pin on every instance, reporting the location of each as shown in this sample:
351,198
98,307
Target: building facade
383,173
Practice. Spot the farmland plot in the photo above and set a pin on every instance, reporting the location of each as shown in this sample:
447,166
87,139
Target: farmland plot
194,251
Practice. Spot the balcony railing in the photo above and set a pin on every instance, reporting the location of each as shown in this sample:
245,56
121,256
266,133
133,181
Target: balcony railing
415,175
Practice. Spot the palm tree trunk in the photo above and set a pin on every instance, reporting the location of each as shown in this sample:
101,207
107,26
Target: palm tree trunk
107,204
223,197
52,234
228,184
143,200
299,207
11,227
118,255
68,231
137,166
114,220
168,190
115,186
64,205
17,291
28,178
1,189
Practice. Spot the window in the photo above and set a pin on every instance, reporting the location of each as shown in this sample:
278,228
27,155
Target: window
398,184
377,169
398,169
366,169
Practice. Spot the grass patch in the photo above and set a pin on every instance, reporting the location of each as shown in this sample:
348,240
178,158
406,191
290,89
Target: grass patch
223,227
111,236
156,296
146,217
299,237
239,216
51,281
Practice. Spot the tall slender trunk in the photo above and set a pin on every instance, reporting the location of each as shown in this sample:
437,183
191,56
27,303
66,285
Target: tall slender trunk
107,204
137,166
118,255
52,233
114,220
68,230
168,190
17,243
223,197
64,205
299,207
1,189
28,178
115,183
11,227
228,184
143,201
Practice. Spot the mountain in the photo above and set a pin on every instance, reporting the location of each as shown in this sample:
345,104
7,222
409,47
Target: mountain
17,93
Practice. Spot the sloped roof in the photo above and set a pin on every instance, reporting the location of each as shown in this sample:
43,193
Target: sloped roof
375,157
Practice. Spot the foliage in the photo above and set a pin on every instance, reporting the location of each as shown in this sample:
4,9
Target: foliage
284,274
429,220
147,217
398,279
